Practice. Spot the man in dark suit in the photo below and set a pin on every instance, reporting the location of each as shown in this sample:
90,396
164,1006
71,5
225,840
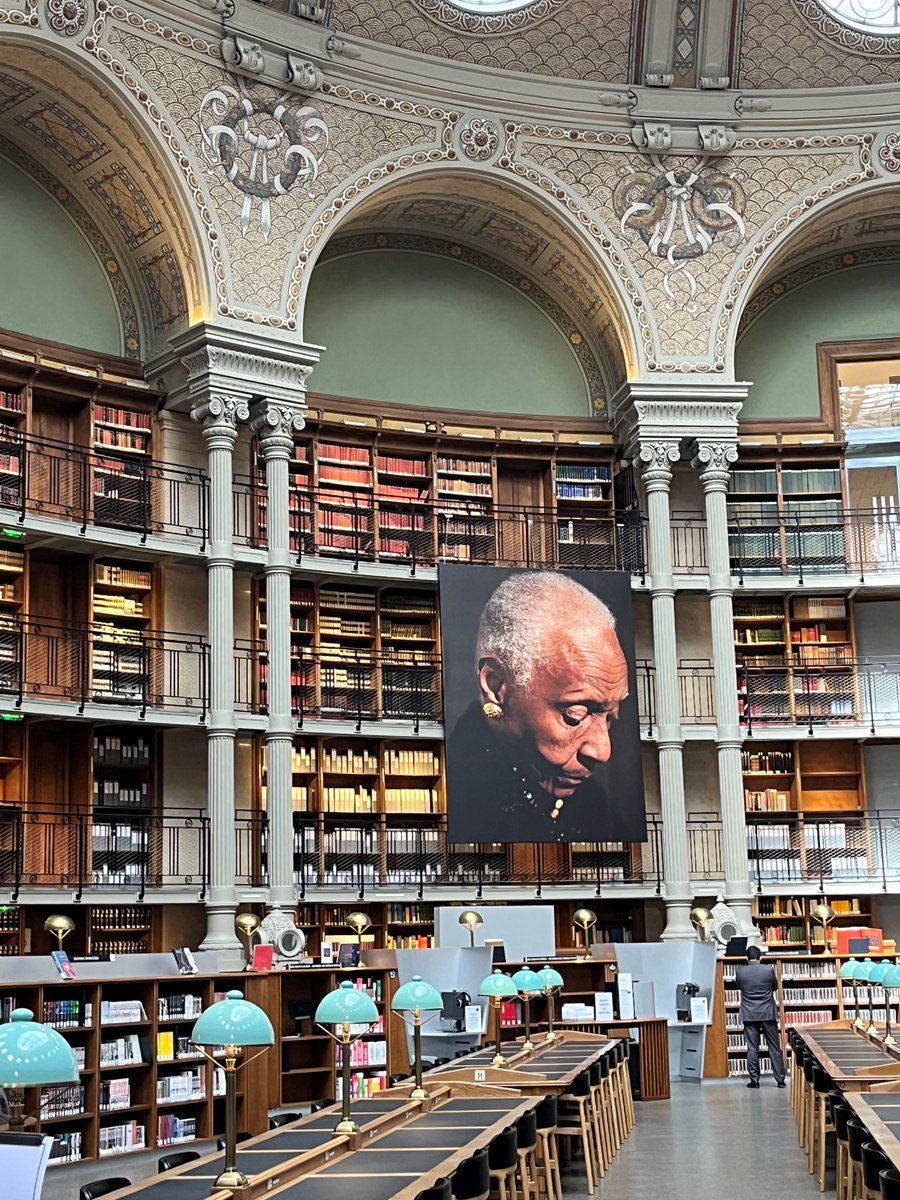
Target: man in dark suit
758,986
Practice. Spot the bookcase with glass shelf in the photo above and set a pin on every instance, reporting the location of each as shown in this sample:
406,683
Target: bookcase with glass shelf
120,613
785,509
583,496
124,768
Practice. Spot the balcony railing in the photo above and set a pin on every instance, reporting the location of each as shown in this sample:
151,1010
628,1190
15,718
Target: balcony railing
854,691
42,477
852,542
76,850
346,524
143,669
828,850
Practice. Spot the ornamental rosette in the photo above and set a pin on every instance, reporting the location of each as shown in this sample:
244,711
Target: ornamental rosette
480,139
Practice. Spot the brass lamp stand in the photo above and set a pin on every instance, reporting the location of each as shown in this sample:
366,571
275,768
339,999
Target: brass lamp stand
585,920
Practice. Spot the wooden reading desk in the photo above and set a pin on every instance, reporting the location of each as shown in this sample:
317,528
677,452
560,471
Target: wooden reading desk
854,1061
550,1068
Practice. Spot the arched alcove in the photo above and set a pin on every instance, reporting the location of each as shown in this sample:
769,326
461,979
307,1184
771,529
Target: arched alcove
417,328
54,285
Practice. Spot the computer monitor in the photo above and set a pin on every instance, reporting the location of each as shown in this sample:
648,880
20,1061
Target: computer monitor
736,948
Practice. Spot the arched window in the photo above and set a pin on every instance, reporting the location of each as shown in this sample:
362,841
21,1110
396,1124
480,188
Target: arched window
869,16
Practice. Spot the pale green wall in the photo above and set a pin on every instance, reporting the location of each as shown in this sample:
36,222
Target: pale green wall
778,352
415,328
52,284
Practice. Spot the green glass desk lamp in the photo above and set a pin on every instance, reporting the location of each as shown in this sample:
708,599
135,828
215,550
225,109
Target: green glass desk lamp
528,984
345,1007
415,998
551,982
31,1055
497,987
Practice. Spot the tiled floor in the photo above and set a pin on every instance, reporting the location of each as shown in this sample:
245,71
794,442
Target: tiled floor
707,1142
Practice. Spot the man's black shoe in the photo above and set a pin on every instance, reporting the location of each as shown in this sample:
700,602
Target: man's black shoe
752,1084
782,1084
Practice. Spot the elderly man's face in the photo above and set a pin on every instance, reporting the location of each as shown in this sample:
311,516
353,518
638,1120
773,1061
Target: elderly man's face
563,715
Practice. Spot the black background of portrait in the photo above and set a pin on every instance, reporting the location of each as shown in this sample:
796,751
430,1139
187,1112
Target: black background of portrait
616,811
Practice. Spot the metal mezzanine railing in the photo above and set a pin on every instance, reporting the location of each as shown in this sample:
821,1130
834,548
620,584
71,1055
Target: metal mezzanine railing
94,663
42,477
828,693
827,850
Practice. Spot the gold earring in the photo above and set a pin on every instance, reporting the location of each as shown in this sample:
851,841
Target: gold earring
492,711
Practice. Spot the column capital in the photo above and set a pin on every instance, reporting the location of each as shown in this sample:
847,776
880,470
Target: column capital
220,416
713,457
275,422
657,455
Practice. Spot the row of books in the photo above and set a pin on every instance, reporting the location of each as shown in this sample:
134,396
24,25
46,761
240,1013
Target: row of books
122,1052
66,1147
823,995
115,1093
188,1085
110,793
358,601
124,417
767,761
12,558
117,945
122,1139
814,633
412,762
172,1130
581,491
62,1102
758,608
806,608
109,605
170,1048
420,941
121,439
119,916
67,1014
362,1086
363,1053
406,914
125,577
14,401
779,906
113,750
411,800
396,464
405,630
121,1011
357,799
175,1008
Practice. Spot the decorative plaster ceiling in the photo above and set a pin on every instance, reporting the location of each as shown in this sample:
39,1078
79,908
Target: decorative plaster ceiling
69,134
494,221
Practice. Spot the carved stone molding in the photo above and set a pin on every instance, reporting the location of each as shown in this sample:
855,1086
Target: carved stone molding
713,460
658,456
220,414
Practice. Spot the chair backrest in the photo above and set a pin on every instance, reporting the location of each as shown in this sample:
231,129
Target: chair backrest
286,1118
169,1162
809,1066
874,1161
841,1114
393,1080
604,1066
822,1081
502,1150
595,1074
243,1136
856,1135
547,1113
102,1187
472,1177
440,1190
526,1131
581,1085
890,1184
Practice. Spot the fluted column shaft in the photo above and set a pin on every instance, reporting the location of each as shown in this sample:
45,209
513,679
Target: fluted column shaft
274,423
219,416
657,457
713,459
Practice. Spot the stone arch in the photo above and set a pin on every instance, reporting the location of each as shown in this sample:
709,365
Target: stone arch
829,228
82,136
601,310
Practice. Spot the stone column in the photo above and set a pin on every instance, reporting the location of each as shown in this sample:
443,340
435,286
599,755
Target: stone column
713,458
218,416
274,423
657,454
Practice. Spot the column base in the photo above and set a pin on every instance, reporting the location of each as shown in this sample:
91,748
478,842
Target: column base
221,937
281,897
742,907
678,922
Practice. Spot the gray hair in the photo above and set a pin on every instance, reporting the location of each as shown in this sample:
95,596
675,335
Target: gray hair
525,611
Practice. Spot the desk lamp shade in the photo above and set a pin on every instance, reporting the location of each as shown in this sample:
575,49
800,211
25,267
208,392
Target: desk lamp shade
528,984
551,982
889,982
235,1024
30,1055
345,1007
497,987
417,997
59,925
824,914
585,919
700,918
359,922
472,921
233,1021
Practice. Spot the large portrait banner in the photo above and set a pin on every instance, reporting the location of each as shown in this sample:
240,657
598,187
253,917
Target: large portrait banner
540,706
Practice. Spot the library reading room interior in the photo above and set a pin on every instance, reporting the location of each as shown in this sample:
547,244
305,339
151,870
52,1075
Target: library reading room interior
449,599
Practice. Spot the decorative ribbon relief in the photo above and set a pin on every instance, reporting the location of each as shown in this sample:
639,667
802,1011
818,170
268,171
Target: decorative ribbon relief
264,147
679,214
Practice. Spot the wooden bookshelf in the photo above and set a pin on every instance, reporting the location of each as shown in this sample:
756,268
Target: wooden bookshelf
124,769
120,483
785,509
13,420
120,612
579,487
121,929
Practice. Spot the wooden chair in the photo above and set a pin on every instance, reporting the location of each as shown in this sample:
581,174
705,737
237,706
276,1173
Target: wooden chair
169,1162
840,1115
549,1178
439,1190
874,1161
526,1150
102,1187
820,1124
575,1123
890,1184
503,1163
472,1178
857,1134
